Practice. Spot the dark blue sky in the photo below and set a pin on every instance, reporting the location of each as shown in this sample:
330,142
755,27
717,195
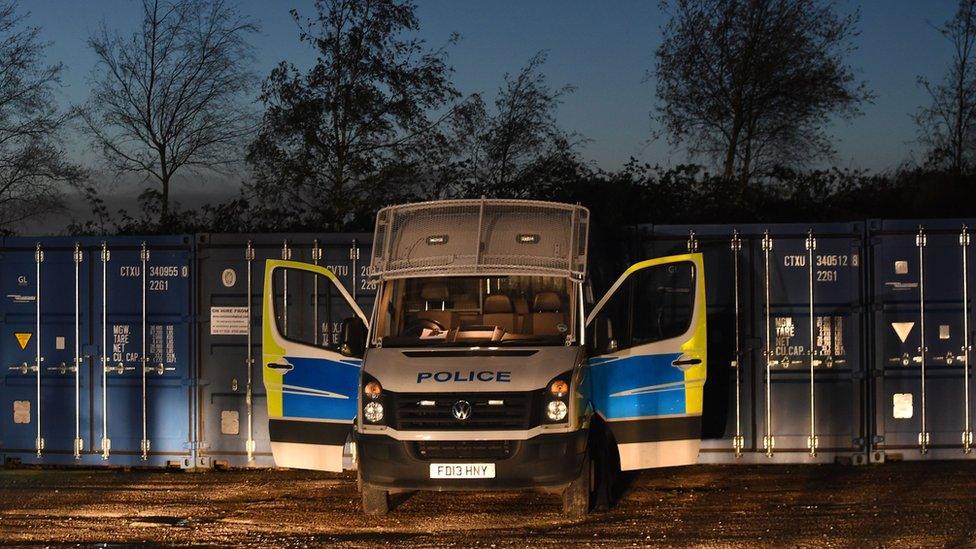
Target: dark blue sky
604,48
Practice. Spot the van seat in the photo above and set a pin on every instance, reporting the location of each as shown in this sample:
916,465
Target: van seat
436,296
498,311
547,314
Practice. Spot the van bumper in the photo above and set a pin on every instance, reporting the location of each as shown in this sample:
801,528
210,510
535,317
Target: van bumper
544,461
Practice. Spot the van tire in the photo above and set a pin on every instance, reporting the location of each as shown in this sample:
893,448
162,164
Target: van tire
375,501
576,496
606,469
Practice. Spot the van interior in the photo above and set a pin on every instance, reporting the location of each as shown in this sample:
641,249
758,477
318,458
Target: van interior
443,310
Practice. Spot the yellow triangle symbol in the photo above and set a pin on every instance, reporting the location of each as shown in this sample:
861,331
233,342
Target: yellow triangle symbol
23,338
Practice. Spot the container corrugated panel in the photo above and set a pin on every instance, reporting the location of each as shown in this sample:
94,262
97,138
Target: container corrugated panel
125,301
226,423
759,313
922,397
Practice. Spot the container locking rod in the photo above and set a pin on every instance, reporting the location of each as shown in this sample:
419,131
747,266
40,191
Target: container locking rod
106,441
769,442
812,442
737,440
38,259
249,361
316,256
920,242
78,444
144,443
286,255
967,433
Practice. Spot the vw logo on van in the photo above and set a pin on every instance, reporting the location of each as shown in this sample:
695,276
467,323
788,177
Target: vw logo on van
461,410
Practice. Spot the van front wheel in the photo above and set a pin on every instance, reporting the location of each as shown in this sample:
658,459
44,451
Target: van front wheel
576,496
375,501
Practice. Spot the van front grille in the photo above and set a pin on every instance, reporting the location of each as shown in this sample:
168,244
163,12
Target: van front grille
426,411
464,449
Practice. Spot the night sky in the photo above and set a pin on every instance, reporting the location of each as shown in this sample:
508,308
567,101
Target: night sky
603,48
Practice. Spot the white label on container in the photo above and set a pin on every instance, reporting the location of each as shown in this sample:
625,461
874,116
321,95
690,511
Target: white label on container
59,343
228,320
901,406
22,411
901,286
228,278
901,267
230,422
943,331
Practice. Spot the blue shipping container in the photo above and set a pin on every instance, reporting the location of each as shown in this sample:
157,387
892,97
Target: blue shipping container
780,297
96,336
922,338
129,356
232,417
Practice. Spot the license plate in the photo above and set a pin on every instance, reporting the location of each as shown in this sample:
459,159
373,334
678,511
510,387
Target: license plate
462,470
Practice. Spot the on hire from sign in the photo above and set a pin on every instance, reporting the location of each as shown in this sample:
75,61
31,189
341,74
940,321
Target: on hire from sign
471,375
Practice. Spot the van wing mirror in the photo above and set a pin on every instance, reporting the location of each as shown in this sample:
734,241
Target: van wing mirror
604,340
353,340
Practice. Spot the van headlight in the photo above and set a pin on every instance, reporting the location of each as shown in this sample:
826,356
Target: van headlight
372,389
556,398
559,388
556,410
373,412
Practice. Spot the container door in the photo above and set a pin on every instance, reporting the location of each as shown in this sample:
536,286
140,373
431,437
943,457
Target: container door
310,378
648,361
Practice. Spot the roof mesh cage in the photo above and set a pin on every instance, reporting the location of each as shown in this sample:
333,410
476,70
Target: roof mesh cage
474,237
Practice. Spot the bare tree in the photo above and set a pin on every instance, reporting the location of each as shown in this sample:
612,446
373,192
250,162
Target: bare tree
516,147
753,83
948,125
172,94
33,168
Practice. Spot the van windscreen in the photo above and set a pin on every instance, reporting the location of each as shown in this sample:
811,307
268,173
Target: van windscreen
496,310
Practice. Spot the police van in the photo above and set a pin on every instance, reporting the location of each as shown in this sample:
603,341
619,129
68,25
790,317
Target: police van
486,363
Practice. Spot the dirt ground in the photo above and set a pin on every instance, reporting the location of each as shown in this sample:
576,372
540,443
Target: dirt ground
896,504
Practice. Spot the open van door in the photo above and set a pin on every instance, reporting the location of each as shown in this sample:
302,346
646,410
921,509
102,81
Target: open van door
648,361
314,335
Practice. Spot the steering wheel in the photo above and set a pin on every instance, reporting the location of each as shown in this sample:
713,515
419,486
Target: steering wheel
417,327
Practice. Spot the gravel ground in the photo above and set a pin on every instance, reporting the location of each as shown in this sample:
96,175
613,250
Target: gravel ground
896,504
